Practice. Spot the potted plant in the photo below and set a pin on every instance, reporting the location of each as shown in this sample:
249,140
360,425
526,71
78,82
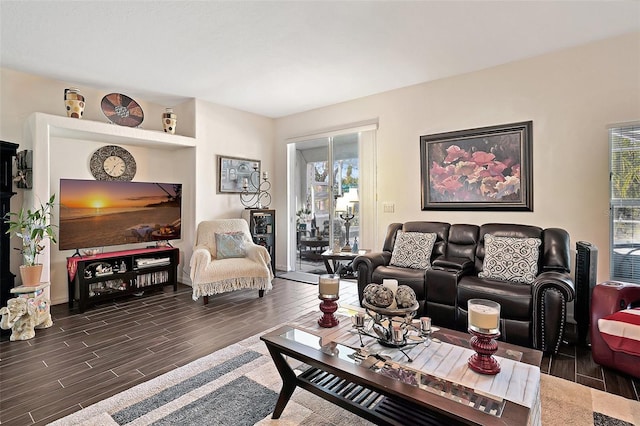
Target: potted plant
33,227
303,216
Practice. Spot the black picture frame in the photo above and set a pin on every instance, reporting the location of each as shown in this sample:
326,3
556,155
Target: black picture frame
233,170
487,168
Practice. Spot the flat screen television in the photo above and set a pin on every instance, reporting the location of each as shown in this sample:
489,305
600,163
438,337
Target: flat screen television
97,213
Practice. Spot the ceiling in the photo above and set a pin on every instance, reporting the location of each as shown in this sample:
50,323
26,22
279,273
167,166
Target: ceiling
277,58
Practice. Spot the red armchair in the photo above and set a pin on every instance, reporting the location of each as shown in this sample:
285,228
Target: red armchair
608,298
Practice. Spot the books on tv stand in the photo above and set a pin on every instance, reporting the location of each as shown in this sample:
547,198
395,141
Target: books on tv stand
103,277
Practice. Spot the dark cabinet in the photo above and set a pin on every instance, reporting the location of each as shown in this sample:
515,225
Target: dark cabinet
95,279
7,279
262,225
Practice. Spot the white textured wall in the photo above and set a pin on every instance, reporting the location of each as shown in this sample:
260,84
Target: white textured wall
570,95
230,132
218,130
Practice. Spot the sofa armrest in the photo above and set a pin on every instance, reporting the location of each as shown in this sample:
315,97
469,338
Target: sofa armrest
612,296
365,264
371,261
550,292
453,264
555,280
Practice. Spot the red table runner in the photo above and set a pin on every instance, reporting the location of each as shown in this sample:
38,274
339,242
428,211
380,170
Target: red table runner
72,262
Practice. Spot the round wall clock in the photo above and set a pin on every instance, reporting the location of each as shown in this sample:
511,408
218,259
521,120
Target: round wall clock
112,162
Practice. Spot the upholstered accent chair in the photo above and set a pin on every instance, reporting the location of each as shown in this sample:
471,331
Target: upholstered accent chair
615,326
225,258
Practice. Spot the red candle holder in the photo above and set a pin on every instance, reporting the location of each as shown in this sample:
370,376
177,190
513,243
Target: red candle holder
485,346
328,306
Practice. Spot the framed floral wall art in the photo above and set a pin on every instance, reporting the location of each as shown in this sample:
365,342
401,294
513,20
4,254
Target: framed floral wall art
488,168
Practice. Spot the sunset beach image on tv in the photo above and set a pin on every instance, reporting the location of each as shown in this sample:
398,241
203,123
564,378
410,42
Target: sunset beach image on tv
105,213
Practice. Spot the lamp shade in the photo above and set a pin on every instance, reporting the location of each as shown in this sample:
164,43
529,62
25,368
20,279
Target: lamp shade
341,204
352,195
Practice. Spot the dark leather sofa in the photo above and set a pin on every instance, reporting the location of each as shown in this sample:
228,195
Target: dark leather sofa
532,315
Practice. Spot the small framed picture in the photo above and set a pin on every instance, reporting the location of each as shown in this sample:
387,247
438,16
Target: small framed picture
234,173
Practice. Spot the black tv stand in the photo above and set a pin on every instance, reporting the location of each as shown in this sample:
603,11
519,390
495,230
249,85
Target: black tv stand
106,276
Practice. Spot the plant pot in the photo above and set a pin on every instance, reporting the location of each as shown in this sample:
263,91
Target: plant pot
30,275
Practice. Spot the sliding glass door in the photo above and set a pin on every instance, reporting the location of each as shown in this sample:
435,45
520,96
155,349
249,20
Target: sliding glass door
324,198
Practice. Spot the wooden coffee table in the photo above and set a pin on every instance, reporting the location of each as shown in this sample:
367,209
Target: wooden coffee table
453,393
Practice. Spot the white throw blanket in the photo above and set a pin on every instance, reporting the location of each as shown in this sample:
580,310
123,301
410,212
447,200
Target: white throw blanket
210,275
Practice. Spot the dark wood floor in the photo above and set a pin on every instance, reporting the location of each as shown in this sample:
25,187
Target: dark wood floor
85,358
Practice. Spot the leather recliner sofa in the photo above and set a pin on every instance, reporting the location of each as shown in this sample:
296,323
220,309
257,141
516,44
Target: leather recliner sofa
532,315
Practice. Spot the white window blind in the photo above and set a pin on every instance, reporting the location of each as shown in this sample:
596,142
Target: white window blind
624,142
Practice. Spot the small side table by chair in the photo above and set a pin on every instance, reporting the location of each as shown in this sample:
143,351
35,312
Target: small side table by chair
336,266
37,305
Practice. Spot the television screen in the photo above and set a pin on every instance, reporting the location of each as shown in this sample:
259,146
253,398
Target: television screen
97,213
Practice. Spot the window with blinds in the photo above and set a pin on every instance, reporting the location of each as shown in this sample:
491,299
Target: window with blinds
624,142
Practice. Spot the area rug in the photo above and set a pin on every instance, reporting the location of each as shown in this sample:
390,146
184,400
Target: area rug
239,385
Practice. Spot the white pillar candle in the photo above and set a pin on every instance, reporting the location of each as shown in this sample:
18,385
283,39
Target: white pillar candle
329,286
393,286
484,315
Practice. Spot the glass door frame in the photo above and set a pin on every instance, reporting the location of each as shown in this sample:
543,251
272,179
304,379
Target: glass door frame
366,132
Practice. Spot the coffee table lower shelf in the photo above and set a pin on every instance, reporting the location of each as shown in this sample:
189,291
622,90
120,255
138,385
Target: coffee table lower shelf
366,402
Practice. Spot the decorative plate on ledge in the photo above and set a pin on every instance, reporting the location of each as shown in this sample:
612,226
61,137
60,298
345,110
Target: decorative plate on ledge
122,110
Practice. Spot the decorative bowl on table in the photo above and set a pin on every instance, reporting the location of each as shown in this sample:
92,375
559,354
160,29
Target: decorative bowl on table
392,314
91,251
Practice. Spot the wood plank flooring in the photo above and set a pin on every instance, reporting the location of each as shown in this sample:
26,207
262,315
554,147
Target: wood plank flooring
85,358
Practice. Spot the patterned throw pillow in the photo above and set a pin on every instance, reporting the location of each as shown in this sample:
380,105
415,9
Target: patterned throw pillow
413,249
511,259
230,245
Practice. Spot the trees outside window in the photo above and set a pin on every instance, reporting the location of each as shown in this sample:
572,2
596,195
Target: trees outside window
625,203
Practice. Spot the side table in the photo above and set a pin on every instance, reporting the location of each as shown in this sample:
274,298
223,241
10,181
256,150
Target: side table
38,314
336,261
313,246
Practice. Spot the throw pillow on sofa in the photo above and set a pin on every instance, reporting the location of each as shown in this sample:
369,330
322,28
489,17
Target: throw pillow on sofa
230,245
511,259
413,250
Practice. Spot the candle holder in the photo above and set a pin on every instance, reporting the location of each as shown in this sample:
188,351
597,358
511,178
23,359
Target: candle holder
484,318
328,288
485,346
328,307
256,196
